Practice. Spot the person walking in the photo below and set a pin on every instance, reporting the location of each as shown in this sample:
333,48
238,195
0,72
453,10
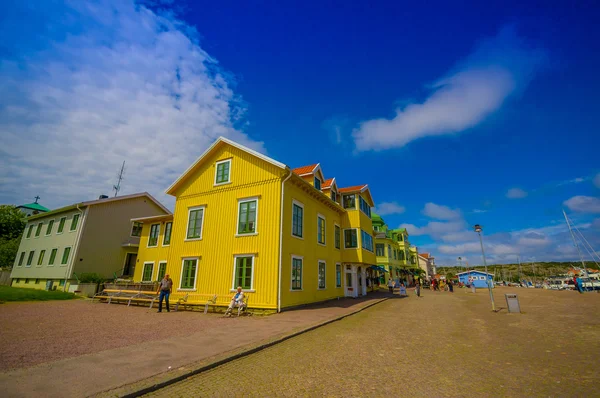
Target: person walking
164,289
418,289
450,287
391,285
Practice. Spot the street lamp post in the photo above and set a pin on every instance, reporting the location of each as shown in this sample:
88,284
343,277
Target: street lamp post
478,229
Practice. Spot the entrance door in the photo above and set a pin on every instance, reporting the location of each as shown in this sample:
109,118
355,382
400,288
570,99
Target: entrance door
349,288
130,260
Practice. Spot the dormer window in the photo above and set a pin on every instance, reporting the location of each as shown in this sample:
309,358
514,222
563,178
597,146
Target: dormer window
222,172
333,195
317,183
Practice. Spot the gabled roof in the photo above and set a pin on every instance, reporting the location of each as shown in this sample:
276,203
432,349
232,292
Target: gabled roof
359,189
220,141
153,218
328,183
424,255
101,201
34,206
305,170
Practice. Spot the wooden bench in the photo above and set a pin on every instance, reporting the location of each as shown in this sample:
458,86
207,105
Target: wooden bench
137,296
243,307
208,300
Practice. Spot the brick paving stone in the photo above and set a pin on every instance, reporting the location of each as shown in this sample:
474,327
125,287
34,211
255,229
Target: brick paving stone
440,345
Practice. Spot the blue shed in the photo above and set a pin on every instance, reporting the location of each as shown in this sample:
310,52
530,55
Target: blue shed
478,278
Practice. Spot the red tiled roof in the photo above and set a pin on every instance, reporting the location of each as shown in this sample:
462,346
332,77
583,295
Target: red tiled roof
305,169
424,255
355,188
327,183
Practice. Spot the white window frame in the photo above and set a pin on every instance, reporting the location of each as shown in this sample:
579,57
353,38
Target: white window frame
18,259
36,227
32,259
342,201
233,286
320,183
237,224
183,260
319,215
37,263
52,265
358,246
59,220
158,237
216,184
68,257
144,269
292,273
170,237
131,231
158,268
53,222
301,205
25,233
77,225
482,278
341,276
187,226
325,274
339,226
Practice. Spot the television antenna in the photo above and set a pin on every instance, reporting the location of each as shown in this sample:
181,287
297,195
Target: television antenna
117,187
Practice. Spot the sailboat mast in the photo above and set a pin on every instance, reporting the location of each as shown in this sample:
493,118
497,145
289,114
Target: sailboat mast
575,243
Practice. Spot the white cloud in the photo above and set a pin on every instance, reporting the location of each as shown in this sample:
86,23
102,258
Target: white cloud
499,68
441,212
516,193
387,208
129,85
583,204
597,180
478,211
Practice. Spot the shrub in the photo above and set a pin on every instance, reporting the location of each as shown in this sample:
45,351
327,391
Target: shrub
91,278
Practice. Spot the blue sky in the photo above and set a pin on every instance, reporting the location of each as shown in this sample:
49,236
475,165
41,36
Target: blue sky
453,115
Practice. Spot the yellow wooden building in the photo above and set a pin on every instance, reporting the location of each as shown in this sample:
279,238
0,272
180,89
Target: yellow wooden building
287,236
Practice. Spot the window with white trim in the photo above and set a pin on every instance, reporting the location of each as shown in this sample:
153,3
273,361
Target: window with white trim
338,275
349,201
74,222
367,240
153,236
30,258
21,259
243,272
136,229
65,256
364,206
297,219
41,257
296,273
49,228
247,212
321,230
317,183
29,230
338,236
380,249
147,272
195,221
321,275
189,270
38,229
222,172
162,270
61,225
167,237
52,256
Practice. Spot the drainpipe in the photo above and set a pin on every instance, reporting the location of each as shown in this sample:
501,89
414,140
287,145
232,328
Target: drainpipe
76,246
281,240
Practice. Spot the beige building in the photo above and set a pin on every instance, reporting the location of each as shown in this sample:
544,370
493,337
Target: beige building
427,264
88,237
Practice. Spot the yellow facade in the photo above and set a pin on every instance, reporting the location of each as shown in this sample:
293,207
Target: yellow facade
246,237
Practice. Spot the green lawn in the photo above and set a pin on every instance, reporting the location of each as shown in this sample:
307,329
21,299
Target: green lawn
8,293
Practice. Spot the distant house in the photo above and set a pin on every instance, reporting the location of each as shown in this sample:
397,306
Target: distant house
478,278
88,237
427,264
32,209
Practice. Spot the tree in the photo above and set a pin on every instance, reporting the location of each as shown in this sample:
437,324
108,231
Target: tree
12,223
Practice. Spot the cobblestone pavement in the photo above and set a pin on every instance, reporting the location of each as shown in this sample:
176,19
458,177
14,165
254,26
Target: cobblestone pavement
440,345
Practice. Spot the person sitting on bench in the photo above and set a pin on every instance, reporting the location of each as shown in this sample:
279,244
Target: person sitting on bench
236,301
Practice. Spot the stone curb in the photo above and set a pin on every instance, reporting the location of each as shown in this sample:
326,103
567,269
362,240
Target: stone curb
204,368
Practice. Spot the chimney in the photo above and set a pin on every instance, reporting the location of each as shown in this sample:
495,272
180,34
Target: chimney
103,197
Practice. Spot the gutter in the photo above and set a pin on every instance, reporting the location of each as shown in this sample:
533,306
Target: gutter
76,246
281,240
